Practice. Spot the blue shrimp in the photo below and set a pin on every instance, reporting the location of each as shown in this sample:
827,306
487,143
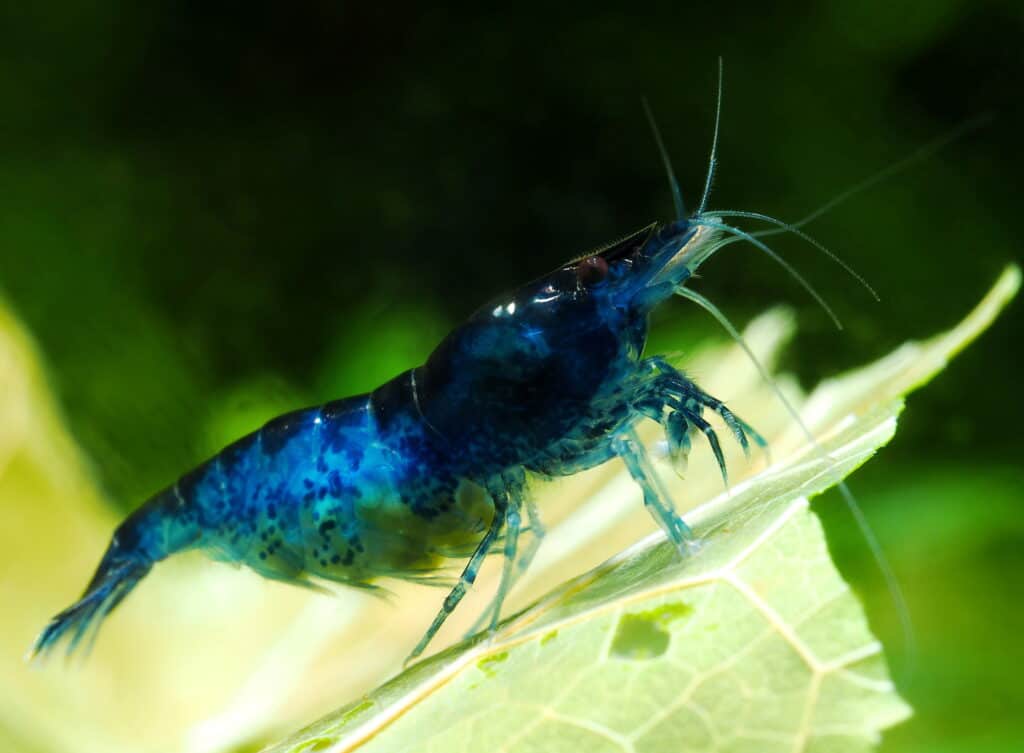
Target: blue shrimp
432,466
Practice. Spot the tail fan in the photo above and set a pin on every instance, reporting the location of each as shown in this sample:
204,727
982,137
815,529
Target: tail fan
106,590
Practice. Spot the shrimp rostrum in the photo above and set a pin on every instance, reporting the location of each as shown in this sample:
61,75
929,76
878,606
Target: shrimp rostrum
432,466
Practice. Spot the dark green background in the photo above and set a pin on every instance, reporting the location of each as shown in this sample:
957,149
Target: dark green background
211,213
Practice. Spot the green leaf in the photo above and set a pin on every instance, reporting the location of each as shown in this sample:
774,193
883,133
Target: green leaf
293,655
753,644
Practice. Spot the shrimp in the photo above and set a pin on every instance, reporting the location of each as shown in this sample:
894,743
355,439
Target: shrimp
433,466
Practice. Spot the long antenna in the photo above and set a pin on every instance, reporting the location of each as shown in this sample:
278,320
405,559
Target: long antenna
713,160
918,155
891,581
673,184
761,246
800,234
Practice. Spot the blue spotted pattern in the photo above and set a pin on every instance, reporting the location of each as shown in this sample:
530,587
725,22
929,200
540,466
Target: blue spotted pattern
432,465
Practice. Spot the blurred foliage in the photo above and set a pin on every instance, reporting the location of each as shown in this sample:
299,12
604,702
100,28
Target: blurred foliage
954,536
211,213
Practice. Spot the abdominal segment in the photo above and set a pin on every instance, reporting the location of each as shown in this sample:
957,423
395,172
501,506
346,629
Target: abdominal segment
325,494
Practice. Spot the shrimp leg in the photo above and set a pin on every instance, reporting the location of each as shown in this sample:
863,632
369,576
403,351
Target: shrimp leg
628,446
513,519
469,573
537,532
740,428
675,383
514,564
694,418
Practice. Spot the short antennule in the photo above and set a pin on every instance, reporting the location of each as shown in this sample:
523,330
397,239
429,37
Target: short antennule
673,183
713,159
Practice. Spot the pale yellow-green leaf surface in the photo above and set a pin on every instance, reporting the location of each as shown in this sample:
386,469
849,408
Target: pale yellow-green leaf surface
205,658
753,644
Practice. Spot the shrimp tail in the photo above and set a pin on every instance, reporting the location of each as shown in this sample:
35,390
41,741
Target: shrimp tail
111,583
162,526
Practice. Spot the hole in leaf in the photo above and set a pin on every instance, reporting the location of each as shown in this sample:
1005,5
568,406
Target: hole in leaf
645,635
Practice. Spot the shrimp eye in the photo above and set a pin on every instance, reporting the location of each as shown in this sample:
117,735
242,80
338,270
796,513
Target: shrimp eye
592,270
